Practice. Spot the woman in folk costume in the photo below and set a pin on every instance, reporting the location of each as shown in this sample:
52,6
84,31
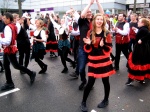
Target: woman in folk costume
139,59
51,45
38,48
23,42
63,43
98,45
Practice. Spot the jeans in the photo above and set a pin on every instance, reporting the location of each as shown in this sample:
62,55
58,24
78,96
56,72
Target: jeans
81,63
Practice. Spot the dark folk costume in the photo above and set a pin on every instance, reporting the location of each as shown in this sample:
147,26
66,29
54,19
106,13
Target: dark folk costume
122,42
51,45
64,50
38,52
132,35
139,60
99,63
99,66
23,45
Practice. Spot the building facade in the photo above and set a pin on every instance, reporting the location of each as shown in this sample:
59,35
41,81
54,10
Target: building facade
60,6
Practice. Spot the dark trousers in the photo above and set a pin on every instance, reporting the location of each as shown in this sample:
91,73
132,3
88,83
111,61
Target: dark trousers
24,53
81,63
13,60
132,42
119,48
91,81
40,63
64,56
1,65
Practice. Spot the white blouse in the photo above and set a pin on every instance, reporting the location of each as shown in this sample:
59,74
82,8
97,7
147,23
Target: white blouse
43,35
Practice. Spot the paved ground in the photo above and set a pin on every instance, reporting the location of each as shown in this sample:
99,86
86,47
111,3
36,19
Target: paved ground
57,92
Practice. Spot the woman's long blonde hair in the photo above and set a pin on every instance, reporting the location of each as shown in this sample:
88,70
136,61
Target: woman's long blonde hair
146,22
94,27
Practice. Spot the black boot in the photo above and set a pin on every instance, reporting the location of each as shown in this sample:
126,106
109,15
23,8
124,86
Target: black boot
64,70
103,104
44,69
83,107
129,82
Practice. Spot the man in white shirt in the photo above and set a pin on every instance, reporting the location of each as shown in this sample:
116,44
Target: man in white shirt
122,38
8,42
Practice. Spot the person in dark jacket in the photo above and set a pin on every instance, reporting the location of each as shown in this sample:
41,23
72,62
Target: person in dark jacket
23,43
139,59
2,24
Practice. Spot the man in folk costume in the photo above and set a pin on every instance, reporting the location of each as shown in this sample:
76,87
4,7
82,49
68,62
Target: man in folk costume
10,50
122,39
133,25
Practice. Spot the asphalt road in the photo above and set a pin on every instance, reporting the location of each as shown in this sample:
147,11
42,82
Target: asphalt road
57,92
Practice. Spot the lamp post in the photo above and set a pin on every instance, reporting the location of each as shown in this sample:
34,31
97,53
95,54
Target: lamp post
20,8
134,10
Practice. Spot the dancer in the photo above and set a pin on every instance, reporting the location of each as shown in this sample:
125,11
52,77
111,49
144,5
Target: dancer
51,45
122,39
132,34
38,48
63,43
23,42
10,50
98,46
139,59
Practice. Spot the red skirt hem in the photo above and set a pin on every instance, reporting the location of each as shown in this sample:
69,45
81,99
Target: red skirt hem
139,77
51,50
102,75
137,67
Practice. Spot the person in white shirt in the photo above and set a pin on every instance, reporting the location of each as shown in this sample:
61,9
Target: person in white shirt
38,48
23,42
122,38
10,50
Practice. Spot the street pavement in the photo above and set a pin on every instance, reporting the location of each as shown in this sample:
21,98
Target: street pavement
57,92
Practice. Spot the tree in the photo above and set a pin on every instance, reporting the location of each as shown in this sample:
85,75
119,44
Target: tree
20,8
5,5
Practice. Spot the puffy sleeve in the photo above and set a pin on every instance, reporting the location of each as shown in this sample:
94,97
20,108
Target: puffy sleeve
107,48
88,48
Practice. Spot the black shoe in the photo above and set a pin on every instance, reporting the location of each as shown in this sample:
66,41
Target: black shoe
2,69
83,107
21,72
141,82
116,68
64,70
7,86
129,82
82,85
32,77
103,104
74,75
43,70
73,64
